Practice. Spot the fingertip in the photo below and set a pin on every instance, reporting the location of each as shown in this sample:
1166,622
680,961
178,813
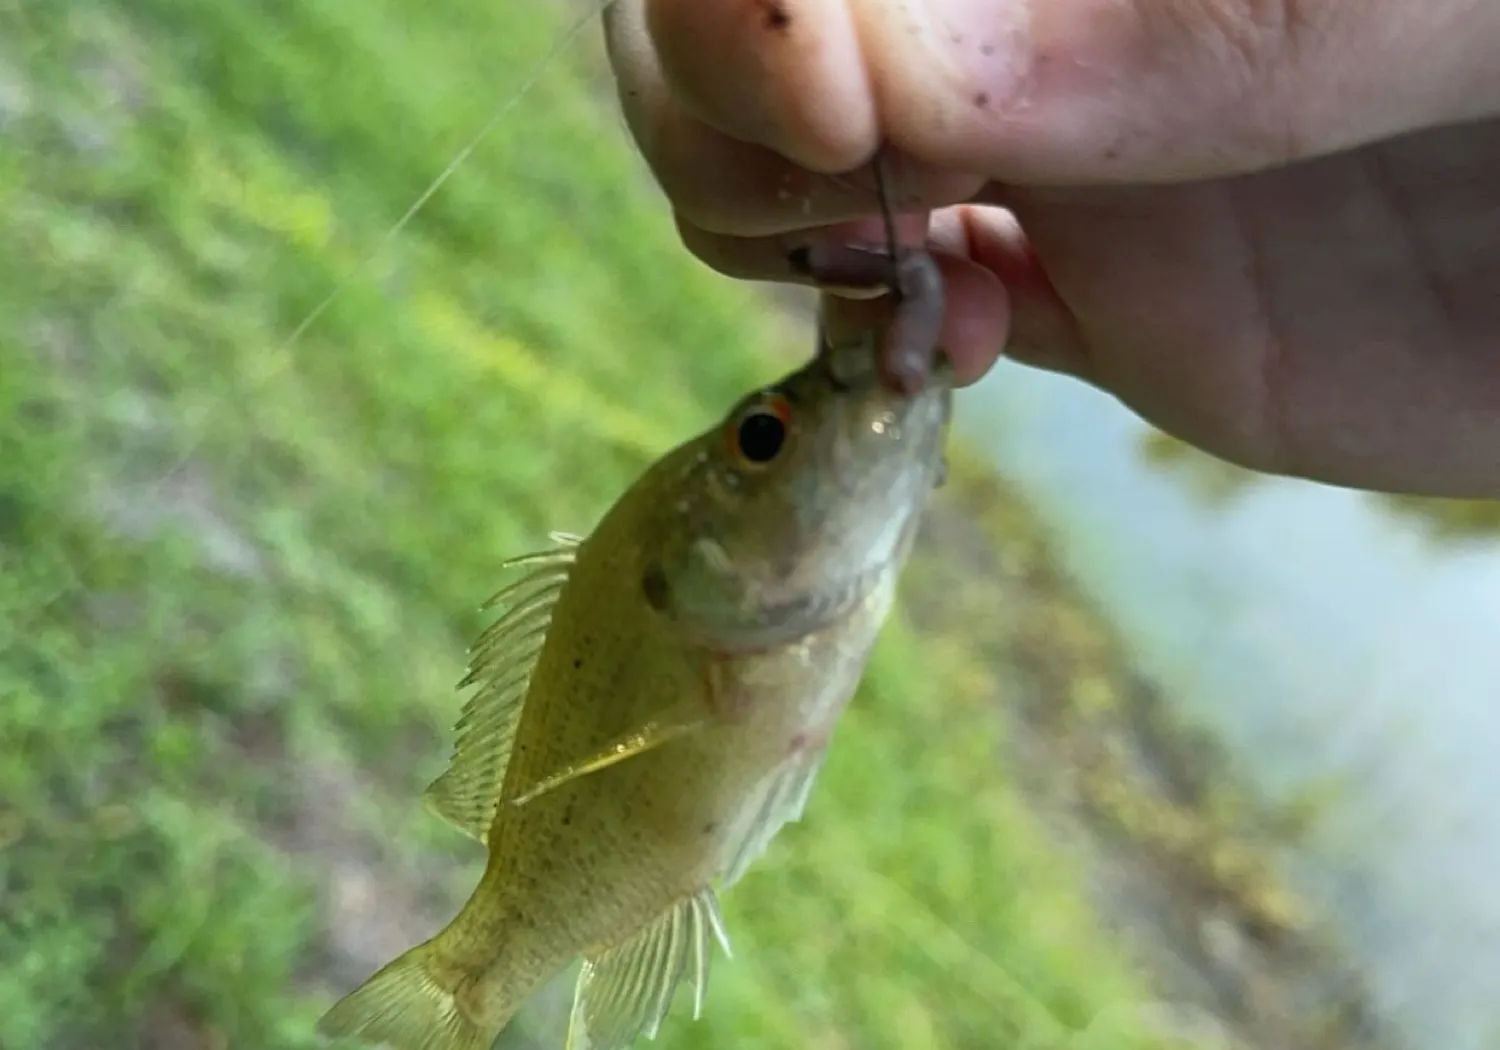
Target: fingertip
977,320
787,76
1041,330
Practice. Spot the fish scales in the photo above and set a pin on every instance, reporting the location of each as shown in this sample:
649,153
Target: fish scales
653,704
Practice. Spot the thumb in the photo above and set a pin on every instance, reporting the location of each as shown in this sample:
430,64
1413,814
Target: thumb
1166,90
1079,91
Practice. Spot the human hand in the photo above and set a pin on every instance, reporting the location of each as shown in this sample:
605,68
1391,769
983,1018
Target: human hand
1271,228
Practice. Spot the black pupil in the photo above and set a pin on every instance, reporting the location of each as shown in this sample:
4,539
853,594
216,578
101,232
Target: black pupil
762,434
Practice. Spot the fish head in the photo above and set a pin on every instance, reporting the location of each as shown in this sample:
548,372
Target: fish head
787,513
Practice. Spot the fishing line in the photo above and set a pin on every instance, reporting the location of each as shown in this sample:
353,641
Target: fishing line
281,356
564,41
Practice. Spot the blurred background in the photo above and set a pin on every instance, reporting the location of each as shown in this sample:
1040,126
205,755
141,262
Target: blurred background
1155,754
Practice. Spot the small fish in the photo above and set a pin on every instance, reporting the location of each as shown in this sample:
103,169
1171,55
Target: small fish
654,704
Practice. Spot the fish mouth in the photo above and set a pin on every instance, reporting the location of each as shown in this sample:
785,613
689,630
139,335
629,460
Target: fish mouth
848,363
854,361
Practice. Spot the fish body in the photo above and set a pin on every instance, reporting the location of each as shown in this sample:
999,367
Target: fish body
654,703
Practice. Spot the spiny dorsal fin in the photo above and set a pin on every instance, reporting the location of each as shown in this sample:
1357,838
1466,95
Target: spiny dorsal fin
501,663
626,990
778,800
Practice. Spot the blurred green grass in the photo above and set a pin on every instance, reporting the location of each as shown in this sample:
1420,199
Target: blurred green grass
238,577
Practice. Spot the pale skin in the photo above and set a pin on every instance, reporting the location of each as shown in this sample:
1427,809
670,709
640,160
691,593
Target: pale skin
1271,227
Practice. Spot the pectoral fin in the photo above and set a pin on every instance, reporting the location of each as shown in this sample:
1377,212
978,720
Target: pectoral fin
676,722
626,990
501,664
778,800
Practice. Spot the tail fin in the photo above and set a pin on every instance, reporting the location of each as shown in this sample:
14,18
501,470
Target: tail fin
406,1007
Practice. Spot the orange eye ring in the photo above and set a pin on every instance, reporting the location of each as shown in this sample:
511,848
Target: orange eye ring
760,432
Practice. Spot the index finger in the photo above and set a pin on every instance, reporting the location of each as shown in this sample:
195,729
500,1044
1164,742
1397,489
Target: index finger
723,184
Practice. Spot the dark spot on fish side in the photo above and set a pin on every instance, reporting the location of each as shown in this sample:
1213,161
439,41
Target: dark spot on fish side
776,17
982,99
577,663
986,49
654,586
710,827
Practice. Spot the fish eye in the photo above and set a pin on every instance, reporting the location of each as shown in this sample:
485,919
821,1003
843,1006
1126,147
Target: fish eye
760,432
761,435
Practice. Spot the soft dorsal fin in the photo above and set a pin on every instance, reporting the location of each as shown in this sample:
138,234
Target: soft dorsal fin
626,990
501,663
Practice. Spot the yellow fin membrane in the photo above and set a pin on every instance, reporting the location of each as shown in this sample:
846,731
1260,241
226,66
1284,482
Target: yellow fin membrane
501,664
627,990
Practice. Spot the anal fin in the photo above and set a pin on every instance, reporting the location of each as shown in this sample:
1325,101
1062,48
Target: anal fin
501,664
626,990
